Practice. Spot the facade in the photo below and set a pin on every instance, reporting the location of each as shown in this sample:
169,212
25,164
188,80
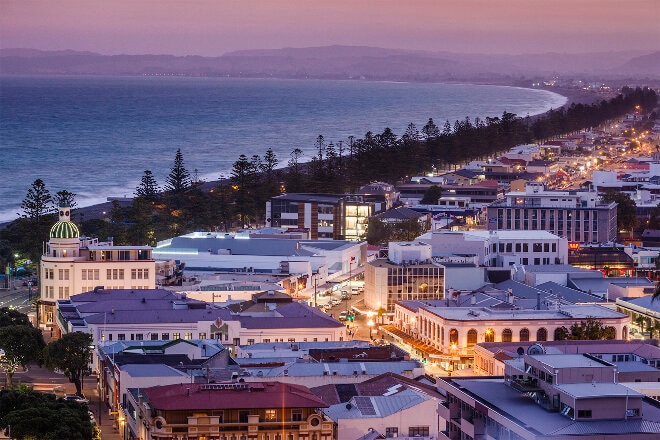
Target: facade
72,264
548,397
326,216
635,359
405,414
225,411
161,315
487,191
409,274
452,332
578,216
501,248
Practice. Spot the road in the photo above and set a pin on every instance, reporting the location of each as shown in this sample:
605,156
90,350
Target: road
17,298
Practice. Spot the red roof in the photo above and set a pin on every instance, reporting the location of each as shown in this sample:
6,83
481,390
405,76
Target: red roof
256,395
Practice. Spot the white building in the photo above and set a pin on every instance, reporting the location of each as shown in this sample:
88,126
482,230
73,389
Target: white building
454,331
500,248
405,414
72,264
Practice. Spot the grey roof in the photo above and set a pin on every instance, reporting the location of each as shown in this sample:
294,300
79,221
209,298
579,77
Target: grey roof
365,407
646,302
400,213
253,246
569,361
504,400
152,370
600,285
303,369
597,390
291,315
158,316
571,295
555,268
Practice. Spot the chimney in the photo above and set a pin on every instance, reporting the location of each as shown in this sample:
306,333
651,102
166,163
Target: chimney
538,300
473,300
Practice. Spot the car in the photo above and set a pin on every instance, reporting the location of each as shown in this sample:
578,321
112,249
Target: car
335,301
75,398
343,316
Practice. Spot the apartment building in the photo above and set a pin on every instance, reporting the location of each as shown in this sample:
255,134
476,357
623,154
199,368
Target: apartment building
578,216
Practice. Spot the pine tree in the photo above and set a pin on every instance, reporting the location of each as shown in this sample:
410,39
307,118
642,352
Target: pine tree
148,187
64,198
37,203
179,178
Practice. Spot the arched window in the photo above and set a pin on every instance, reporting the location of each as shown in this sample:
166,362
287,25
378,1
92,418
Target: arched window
489,335
507,335
453,336
625,333
471,337
442,336
542,334
524,335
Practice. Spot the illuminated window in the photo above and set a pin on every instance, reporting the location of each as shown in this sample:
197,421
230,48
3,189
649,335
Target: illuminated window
271,415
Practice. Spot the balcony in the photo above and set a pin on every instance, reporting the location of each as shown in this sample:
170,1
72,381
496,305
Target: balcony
526,385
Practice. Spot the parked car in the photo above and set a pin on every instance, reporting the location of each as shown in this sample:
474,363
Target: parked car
343,315
75,398
355,291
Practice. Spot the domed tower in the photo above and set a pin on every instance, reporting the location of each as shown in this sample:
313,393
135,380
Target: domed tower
64,228
57,262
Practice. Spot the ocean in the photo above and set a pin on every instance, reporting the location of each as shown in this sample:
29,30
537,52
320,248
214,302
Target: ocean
95,136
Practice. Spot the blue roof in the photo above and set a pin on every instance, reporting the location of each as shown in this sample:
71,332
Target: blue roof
152,370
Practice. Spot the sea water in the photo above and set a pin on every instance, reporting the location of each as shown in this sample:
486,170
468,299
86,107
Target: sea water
95,136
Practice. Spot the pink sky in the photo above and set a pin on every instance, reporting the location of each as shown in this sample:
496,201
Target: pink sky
214,27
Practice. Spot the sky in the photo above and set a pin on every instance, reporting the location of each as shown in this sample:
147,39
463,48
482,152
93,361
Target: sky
215,27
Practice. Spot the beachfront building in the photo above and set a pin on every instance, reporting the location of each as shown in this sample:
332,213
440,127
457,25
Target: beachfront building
487,191
329,216
72,264
578,216
248,254
225,411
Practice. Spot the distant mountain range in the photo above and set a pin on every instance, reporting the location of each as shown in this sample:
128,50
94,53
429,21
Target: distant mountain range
342,62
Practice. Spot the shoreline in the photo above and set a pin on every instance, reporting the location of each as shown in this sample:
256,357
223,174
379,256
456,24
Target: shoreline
572,96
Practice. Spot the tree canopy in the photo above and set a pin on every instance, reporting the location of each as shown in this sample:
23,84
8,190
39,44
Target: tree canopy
34,415
589,329
70,354
179,178
22,344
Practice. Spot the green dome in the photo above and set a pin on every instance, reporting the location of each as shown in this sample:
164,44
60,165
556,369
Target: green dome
64,230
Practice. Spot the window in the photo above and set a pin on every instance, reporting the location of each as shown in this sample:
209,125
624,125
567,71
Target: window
453,336
250,341
525,247
121,337
507,335
524,335
418,431
243,416
584,414
489,335
471,337
63,274
188,336
165,336
202,335
139,337
271,415
154,336
391,432
176,335
542,334
296,415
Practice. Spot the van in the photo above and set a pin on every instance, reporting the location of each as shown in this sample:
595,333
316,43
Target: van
355,291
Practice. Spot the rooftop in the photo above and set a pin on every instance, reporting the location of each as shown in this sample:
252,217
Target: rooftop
258,395
597,390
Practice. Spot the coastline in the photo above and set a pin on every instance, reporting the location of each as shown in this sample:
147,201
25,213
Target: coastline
101,210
